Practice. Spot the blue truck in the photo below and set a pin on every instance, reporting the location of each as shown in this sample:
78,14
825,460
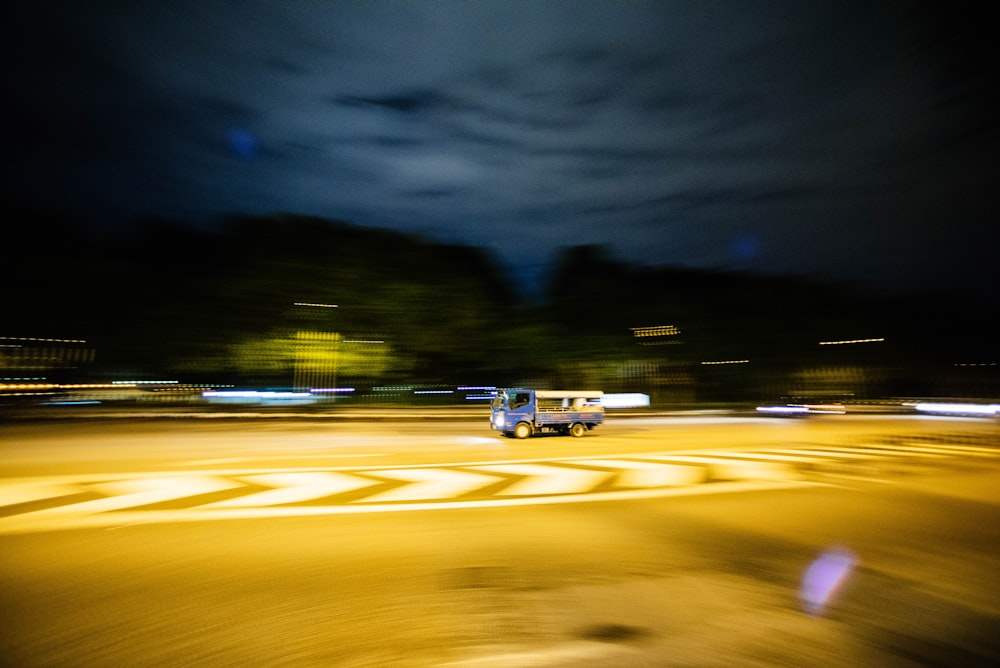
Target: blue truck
519,413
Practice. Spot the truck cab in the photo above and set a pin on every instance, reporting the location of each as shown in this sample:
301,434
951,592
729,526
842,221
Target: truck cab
520,413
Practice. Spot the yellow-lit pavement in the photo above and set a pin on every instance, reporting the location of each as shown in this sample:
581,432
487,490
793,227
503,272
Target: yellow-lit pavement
67,502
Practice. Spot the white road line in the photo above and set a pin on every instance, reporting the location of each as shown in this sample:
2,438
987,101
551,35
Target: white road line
953,450
436,485
869,451
810,455
693,459
820,453
980,445
751,470
293,488
736,469
574,653
429,483
264,458
24,492
545,480
32,523
648,474
140,492
768,455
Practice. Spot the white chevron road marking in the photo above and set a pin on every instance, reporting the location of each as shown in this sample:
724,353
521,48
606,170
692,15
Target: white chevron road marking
766,455
952,450
753,470
29,523
545,480
737,469
814,454
437,487
873,452
25,492
649,474
142,491
827,453
294,488
429,483
987,449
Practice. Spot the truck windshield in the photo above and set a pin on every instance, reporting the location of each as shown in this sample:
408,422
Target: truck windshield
519,399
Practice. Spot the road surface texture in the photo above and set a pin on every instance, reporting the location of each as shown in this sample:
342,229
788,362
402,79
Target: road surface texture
353,542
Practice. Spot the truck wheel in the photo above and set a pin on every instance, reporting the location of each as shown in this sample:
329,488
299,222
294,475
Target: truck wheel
577,430
522,430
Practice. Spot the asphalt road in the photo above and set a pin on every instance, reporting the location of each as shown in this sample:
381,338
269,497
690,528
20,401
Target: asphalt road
680,541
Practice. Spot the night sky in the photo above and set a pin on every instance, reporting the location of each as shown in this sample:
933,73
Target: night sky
836,140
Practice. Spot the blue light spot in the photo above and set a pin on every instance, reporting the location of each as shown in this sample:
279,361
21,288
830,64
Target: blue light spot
243,143
745,248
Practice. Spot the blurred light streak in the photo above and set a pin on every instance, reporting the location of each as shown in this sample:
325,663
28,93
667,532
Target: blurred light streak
256,395
824,578
782,409
33,338
826,408
479,441
838,343
959,409
478,392
656,330
143,382
64,386
625,400
834,409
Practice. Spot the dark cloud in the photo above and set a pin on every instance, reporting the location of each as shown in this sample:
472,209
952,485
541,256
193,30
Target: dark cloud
408,102
813,138
430,194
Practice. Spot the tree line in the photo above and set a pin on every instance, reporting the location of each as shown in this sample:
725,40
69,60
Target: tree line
278,300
